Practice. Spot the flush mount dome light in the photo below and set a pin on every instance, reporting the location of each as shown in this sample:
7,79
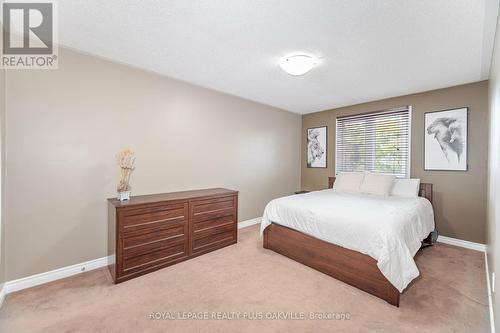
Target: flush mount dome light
298,64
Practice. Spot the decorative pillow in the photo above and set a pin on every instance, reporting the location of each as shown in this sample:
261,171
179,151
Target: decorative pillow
348,181
377,183
406,188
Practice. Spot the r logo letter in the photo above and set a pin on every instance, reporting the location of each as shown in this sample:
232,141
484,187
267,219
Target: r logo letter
27,28
35,28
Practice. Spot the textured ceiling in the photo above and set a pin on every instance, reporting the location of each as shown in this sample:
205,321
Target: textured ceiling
369,49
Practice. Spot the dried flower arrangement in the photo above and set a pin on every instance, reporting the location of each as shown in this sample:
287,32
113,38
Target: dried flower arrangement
125,160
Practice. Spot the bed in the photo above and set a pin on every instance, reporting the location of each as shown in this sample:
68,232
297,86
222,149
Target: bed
341,234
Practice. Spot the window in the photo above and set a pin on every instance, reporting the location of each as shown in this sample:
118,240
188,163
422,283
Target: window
377,142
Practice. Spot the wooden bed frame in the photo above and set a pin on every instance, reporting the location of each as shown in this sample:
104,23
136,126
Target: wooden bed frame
352,267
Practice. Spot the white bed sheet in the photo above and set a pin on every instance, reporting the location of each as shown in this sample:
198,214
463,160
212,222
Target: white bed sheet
388,229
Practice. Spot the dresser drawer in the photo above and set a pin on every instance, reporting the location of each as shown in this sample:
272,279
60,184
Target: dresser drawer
219,229
214,240
215,223
156,232
154,246
139,217
202,210
161,256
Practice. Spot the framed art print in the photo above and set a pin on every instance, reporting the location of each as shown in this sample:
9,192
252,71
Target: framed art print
445,140
317,147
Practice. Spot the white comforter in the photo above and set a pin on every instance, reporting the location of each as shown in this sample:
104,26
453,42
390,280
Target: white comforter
388,229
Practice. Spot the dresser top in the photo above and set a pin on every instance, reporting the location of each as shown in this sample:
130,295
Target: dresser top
183,195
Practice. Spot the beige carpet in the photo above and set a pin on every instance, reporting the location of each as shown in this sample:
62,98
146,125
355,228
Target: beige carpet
450,296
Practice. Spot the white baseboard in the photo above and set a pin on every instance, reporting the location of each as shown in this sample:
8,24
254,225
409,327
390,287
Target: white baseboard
56,274
441,239
2,294
477,247
61,273
247,223
490,301
462,243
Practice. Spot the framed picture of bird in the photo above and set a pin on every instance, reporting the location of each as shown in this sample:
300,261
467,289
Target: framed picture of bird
445,139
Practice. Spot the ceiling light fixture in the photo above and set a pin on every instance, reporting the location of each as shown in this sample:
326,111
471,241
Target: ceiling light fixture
298,64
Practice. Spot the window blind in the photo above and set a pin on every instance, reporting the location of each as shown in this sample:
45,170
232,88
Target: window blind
377,142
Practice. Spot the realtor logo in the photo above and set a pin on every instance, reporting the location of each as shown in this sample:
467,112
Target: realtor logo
29,35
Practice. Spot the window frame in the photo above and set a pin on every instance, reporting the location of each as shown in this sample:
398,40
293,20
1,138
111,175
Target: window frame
381,112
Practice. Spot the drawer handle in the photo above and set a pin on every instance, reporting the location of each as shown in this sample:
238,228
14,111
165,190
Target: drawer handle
225,239
156,221
152,242
214,227
152,261
213,211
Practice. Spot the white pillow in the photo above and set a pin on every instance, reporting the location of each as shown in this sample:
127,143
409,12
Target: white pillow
348,181
406,188
377,183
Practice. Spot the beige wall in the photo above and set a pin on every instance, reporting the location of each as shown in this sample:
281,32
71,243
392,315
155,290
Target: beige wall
65,126
459,197
493,233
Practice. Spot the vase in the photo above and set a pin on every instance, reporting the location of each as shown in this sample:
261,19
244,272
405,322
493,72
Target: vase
123,196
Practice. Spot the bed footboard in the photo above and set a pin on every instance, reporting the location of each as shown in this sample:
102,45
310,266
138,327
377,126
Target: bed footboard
351,267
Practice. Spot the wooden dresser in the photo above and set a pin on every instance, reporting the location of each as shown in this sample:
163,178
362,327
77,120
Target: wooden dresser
150,232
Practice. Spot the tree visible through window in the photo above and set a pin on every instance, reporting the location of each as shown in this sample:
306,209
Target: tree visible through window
378,142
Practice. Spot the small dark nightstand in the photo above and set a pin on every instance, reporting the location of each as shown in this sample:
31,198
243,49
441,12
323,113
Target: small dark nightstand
302,192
